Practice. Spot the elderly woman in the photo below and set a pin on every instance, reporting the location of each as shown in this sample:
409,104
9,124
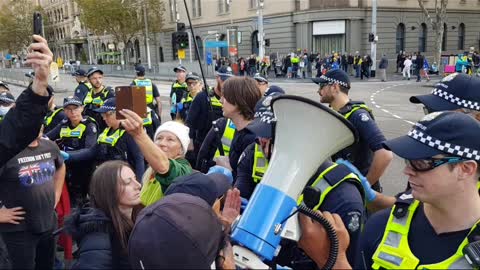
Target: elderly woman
166,155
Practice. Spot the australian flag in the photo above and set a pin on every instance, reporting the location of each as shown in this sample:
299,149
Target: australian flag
36,173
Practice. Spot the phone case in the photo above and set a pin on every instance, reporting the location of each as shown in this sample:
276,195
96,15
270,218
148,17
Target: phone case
132,98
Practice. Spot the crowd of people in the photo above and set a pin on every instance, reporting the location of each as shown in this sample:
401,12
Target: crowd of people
121,191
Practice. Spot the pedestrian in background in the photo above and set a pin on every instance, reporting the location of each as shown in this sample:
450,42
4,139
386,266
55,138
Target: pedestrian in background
407,64
419,62
382,68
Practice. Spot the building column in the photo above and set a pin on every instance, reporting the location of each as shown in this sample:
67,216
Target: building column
353,36
304,36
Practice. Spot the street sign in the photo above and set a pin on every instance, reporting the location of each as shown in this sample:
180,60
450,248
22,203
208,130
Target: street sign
265,21
8,57
181,54
54,72
111,46
216,44
209,58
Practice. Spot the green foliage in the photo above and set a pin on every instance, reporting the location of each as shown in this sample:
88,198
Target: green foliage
16,19
123,19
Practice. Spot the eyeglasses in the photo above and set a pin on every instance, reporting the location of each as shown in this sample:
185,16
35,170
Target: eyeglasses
73,109
322,85
423,165
107,113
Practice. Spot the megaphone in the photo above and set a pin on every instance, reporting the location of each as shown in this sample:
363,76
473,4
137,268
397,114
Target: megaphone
306,134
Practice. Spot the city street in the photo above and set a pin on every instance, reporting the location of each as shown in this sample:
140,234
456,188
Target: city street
389,101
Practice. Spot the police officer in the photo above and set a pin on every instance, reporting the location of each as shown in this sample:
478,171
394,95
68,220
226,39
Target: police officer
430,226
456,92
4,87
152,94
83,86
367,155
114,143
54,116
178,90
265,88
76,135
205,109
96,96
7,101
333,188
195,86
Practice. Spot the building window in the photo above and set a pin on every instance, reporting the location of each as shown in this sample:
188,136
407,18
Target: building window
400,37
422,38
461,36
223,6
196,8
444,40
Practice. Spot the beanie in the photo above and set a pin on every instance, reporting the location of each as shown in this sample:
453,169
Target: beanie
180,130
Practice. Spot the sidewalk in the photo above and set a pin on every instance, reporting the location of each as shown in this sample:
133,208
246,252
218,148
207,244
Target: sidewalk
66,83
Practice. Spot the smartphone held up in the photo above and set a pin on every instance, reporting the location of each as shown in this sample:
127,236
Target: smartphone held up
132,98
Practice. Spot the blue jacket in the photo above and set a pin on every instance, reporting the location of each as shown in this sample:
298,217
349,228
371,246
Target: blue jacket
96,239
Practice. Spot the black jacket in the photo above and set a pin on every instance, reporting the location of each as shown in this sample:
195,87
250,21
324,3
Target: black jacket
22,124
98,245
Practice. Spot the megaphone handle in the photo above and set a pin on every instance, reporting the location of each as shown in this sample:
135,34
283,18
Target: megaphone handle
332,235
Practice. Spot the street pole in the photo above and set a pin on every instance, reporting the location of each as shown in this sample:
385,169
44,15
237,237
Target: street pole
147,45
177,19
373,48
261,49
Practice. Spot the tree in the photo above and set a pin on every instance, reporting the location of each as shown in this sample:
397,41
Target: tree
437,24
16,19
121,19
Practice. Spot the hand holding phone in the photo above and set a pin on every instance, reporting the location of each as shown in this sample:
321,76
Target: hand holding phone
132,98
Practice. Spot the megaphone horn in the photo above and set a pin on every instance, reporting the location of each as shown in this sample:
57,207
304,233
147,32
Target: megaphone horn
306,134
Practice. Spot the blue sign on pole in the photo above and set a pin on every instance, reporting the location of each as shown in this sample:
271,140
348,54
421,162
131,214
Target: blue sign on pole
8,57
209,58
216,44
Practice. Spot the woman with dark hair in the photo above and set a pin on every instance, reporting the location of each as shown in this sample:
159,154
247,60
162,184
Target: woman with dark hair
239,97
102,231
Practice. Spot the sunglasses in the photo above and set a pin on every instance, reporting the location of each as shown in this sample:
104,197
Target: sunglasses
423,165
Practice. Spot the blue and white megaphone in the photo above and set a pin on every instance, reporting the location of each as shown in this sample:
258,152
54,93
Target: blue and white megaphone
306,134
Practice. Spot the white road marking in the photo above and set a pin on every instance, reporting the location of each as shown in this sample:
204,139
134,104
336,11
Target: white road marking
372,100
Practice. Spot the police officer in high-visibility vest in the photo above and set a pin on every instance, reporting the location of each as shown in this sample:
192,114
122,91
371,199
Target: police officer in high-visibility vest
76,135
114,143
195,86
53,117
265,88
295,64
7,101
367,155
83,86
435,224
178,90
151,91
96,96
202,113
333,188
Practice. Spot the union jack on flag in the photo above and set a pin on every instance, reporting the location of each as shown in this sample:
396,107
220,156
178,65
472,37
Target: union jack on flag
29,170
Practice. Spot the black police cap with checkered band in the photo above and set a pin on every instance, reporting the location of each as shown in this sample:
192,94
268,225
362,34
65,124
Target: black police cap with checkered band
455,91
446,133
337,76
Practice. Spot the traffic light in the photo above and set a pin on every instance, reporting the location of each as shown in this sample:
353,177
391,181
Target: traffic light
180,40
267,42
180,27
371,37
